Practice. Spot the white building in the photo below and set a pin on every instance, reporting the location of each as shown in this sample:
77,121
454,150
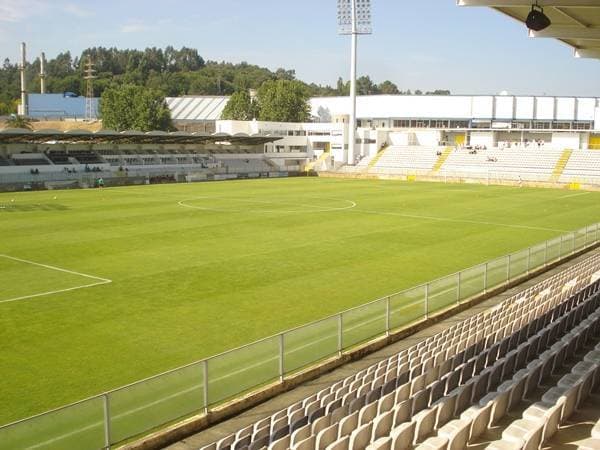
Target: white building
491,121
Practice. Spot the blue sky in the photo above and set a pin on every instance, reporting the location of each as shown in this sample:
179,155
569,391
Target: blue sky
418,44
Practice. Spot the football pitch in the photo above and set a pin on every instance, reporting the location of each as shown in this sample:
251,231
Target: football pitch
101,288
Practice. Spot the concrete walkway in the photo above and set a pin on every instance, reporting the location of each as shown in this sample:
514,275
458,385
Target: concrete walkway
280,402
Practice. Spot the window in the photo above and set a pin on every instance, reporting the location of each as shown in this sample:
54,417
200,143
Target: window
401,123
459,124
561,125
582,125
537,125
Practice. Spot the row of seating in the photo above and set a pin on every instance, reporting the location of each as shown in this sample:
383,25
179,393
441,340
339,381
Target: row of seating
582,166
541,420
403,158
512,372
531,164
425,385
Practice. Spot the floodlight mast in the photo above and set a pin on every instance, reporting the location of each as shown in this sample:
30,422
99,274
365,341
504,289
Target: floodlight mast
353,20
352,126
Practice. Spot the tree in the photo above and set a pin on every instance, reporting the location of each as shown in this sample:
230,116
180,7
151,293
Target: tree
18,122
283,101
364,86
388,88
438,92
239,107
130,107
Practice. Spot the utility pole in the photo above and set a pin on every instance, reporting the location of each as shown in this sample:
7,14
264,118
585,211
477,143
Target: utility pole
89,77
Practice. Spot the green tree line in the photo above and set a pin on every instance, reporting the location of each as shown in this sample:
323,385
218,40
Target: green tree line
172,71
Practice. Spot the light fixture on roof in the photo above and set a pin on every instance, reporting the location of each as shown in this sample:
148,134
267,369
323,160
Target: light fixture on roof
536,19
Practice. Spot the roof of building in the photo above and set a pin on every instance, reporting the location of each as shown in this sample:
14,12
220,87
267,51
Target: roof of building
195,108
574,22
19,135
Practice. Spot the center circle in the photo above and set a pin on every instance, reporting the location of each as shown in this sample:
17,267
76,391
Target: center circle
261,204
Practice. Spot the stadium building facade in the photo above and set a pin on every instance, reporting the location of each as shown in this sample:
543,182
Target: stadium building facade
486,121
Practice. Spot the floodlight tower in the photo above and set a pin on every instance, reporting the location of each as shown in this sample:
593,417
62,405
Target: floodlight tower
354,18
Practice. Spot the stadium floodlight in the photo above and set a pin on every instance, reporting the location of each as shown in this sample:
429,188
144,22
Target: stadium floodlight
536,19
354,18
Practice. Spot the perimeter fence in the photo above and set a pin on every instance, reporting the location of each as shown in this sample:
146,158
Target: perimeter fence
114,417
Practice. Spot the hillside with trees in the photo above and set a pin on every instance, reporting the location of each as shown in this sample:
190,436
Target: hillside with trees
174,72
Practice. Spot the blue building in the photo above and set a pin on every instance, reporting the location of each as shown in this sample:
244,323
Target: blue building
59,106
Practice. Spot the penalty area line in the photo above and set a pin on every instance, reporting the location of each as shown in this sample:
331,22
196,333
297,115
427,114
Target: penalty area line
98,280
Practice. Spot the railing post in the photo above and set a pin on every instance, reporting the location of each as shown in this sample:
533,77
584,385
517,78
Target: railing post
106,403
560,250
585,243
340,334
281,357
387,316
205,387
573,246
485,271
458,289
427,301
528,260
546,253
508,270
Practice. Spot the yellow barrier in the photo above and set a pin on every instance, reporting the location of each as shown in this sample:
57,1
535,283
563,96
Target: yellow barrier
411,178
575,186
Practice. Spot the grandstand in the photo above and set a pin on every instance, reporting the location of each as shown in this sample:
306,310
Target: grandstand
511,374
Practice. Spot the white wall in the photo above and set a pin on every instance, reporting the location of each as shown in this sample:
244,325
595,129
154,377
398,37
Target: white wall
597,119
566,140
525,108
483,138
505,107
544,108
565,108
458,107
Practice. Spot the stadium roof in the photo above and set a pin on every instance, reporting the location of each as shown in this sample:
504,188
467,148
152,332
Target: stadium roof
19,135
197,107
574,22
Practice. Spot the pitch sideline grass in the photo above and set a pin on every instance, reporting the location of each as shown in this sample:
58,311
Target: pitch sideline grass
189,282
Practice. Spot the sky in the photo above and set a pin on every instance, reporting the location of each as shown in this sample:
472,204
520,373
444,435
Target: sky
417,44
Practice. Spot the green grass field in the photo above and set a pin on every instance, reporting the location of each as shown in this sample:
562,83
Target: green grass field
100,288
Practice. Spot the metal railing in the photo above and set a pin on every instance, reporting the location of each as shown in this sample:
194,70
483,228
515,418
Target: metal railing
122,414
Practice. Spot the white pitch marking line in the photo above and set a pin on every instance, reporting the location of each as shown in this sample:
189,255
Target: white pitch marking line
575,195
351,205
99,280
475,222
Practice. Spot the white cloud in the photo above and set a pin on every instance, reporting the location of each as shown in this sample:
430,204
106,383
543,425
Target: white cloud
76,10
19,10
135,26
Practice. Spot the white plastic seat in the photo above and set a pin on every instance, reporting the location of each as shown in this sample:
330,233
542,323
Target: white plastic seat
424,424
403,436
457,432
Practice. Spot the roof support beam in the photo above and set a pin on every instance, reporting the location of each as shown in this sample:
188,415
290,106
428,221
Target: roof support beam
510,3
570,17
567,32
587,53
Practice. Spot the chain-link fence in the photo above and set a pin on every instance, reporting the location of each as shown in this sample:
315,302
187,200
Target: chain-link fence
131,411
